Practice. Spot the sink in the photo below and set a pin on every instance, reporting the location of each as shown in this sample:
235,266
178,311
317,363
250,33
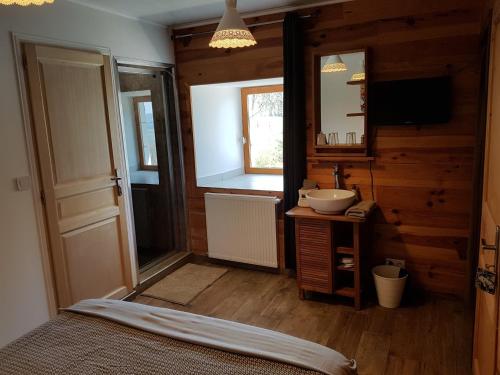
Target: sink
330,201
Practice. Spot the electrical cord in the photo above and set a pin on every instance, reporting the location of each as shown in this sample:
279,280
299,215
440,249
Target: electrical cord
372,180
372,143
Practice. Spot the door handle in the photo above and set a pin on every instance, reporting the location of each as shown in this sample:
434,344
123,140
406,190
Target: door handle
487,247
486,278
117,180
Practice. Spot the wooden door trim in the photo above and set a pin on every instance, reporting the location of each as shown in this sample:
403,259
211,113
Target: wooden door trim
491,71
18,39
496,14
119,162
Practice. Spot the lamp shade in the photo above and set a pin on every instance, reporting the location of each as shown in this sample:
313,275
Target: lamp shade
359,76
333,64
232,31
25,3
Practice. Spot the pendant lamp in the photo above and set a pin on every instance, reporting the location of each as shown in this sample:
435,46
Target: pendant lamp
360,76
25,3
334,64
232,31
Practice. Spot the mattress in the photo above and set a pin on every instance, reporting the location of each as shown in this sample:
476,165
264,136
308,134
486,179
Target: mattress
115,337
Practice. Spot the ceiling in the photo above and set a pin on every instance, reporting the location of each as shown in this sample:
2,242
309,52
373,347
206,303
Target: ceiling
252,83
175,12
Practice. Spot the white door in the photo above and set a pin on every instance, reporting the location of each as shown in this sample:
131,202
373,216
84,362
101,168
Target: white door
77,137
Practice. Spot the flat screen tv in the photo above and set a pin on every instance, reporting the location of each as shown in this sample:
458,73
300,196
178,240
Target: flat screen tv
410,102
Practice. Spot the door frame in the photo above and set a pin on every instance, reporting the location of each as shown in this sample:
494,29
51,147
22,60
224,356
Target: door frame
18,39
145,66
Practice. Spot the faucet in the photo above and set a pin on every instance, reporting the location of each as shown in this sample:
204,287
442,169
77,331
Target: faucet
336,174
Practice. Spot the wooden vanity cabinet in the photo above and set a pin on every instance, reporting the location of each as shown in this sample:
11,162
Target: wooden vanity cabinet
321,242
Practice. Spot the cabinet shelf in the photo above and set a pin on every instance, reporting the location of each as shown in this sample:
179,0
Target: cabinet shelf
345,250
348,269
345,292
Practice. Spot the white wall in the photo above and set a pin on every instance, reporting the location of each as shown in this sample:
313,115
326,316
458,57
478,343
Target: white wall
338,99
218,129
22,292
217,126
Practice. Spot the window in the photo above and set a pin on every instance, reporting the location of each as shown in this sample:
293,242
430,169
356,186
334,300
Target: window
262,112
146,139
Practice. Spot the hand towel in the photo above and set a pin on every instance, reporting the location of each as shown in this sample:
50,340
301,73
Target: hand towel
362,210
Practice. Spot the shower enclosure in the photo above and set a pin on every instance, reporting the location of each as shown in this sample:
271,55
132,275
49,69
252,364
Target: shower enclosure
153,151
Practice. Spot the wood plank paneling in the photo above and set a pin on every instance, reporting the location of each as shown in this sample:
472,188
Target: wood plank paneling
422,174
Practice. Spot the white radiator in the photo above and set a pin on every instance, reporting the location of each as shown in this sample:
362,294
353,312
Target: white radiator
242,228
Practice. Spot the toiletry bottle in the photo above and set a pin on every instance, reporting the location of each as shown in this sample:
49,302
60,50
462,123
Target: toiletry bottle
356,192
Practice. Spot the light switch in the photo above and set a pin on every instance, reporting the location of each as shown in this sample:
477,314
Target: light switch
23,183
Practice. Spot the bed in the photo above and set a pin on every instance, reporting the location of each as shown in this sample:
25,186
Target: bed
116,337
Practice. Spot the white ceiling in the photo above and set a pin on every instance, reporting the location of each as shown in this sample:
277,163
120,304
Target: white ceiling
175,12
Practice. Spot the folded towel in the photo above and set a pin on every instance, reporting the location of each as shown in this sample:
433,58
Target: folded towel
309,184
362,210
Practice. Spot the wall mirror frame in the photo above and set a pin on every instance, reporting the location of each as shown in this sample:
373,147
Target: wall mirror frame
340,103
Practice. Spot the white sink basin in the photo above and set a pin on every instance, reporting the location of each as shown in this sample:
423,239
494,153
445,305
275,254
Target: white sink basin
330,201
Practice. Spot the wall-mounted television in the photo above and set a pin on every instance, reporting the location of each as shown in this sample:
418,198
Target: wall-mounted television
410,102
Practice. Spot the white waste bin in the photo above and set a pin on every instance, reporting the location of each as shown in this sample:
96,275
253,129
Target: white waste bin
390,285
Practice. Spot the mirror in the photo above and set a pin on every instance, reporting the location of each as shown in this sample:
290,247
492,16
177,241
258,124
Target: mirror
341,102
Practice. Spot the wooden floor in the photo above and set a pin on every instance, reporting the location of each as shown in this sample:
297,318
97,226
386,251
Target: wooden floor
429,338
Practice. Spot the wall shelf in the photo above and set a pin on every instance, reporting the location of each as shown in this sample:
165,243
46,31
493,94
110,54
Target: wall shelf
341,146
359,82
347,159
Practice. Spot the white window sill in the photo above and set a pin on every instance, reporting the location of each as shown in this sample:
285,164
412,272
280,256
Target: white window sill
262,182
144,177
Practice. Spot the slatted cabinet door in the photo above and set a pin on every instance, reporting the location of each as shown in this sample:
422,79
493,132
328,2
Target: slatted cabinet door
314,255
76,131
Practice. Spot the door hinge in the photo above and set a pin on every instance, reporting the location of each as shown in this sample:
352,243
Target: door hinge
42,197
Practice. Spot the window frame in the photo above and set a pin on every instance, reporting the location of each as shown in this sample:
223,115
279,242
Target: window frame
245,91
136,101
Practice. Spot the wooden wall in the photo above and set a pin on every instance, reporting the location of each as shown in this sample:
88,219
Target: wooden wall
422,175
